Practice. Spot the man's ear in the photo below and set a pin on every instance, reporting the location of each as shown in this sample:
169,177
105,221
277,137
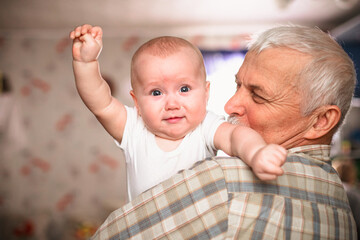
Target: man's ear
135,101
324,121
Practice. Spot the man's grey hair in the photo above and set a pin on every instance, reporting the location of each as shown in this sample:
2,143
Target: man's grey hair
328,79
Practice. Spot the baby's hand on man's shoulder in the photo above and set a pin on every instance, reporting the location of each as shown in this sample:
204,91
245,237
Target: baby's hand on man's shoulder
267,162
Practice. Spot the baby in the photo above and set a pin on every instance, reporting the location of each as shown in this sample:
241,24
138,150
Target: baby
169,129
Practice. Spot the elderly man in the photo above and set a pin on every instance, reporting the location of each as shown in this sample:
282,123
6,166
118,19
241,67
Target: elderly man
294,87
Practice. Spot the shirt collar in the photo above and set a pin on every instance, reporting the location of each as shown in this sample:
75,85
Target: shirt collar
319,152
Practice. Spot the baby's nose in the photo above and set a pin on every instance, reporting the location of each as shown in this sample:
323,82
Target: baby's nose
172,102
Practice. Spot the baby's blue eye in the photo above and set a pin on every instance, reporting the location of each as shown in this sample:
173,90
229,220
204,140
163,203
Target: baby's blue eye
184,89
156,93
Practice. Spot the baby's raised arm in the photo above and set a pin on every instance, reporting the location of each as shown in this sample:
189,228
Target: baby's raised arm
243,142
92,88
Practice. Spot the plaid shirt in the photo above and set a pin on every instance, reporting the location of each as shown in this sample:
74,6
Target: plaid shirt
220,198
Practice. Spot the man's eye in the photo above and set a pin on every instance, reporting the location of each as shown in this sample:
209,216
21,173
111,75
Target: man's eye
156,93
184,89
258,99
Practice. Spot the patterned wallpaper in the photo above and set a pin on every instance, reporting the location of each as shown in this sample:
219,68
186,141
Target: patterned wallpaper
60,172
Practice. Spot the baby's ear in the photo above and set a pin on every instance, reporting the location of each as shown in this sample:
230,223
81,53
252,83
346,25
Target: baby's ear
207,90
132,93
325,120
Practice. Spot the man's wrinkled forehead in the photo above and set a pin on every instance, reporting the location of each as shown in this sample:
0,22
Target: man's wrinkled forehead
271,71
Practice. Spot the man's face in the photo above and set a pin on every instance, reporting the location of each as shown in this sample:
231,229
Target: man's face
267,99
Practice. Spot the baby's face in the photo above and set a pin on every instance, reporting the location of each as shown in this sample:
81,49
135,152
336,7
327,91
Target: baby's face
170,93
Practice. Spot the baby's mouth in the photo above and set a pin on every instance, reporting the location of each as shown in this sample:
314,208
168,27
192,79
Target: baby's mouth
173,119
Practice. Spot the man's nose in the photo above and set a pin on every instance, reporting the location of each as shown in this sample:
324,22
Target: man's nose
172,102
235,105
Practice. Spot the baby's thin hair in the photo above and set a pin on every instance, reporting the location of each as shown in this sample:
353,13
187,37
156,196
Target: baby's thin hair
163,47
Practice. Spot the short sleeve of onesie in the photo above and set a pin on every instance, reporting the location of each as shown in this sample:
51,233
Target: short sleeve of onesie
132,126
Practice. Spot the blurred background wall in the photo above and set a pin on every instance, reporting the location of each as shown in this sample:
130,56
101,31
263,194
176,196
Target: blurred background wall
60,172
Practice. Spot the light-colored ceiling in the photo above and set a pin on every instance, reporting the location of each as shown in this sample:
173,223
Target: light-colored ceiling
184,16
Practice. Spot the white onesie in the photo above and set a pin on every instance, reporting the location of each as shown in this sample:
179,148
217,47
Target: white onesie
148,165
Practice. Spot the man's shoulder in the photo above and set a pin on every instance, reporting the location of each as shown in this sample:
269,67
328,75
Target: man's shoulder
235,162
300,165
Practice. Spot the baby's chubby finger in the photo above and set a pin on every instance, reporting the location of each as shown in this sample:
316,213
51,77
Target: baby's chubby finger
278,171
72,35
87,38
273,167
78,31
96,32
86,28
75,33
279,152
